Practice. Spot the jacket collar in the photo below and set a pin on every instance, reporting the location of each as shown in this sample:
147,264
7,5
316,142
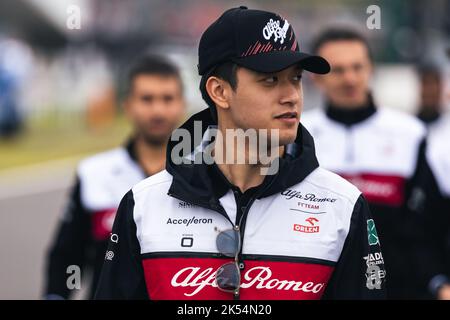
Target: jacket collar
130,148
350,117
204,184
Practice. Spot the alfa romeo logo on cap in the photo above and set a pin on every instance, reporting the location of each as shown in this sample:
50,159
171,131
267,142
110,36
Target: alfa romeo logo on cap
273,28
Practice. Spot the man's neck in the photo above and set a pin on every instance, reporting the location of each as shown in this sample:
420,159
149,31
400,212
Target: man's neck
351,116
246,175
151,157
353,106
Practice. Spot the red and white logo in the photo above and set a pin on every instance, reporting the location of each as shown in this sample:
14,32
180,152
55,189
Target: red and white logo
195,278
102,223
382,189
311,228
259,277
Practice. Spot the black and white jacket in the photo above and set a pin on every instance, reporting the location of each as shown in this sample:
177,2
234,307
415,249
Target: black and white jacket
307,234
84,229
435,253
382,152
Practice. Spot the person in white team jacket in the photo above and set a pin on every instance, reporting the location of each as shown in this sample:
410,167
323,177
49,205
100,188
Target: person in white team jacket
154,106
434,255
378,149
221,230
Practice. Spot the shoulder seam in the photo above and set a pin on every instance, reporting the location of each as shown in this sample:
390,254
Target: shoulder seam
145,184
337,193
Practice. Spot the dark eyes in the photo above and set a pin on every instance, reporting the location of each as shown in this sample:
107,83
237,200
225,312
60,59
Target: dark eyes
340,70
274,79
271,79
151,98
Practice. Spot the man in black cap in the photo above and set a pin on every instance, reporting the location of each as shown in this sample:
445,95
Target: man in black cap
218,229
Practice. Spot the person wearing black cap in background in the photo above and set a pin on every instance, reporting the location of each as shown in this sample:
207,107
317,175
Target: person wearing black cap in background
226,230
380,150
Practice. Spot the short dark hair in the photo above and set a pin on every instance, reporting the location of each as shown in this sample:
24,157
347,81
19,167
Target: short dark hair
340,34
152,65
427,69
226,71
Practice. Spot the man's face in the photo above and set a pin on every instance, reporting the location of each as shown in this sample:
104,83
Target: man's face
267,101
431,91
347,84
155,106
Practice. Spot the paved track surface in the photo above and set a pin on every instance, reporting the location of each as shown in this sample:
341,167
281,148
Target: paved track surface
31,201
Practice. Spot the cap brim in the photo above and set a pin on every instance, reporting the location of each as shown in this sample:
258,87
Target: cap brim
275,61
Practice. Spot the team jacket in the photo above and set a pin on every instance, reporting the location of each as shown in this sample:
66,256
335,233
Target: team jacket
435,253
85,228
382,152
307,234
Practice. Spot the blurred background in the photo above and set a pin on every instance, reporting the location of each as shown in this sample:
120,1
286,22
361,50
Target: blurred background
61,88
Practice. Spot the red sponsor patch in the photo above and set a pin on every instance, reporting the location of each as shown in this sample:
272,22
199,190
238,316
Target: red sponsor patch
380,189
311,228
102,222
194,278
306,229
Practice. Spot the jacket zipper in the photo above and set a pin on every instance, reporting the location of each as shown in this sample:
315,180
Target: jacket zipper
238,227
349,156
241,227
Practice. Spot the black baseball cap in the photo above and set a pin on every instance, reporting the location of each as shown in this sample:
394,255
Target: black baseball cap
258,40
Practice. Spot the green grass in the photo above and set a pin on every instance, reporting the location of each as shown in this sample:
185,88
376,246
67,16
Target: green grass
49,140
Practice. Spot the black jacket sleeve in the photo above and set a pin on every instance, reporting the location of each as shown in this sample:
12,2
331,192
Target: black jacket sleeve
434,252
429,225
433,243
122,275
69,246
359,273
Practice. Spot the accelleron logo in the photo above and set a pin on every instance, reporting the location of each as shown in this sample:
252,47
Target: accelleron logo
188,222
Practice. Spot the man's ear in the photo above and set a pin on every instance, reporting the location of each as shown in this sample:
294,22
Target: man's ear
219,91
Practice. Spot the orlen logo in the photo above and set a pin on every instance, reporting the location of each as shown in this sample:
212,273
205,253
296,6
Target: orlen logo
312,228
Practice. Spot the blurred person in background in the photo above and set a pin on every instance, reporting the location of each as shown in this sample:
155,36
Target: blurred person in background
431,89
379,150
155,106
433,256
15,65
10,119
